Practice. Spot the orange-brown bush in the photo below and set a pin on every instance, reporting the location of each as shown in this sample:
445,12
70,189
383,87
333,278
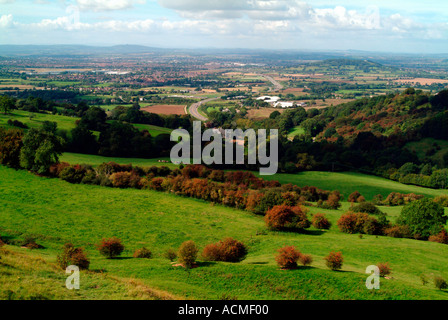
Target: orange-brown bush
72,256
287,257
156,184
398,231
306,259
143,253
286,217
351,222
334,260
384,269
353,197
320,221
229,250
111,248
126,179
441,237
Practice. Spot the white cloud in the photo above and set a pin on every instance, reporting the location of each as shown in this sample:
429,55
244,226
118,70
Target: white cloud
6,1
106,5
6,21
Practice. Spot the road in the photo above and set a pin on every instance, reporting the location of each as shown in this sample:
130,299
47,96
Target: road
194,109
276,84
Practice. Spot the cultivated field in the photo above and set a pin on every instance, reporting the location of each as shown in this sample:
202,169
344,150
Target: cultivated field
165,109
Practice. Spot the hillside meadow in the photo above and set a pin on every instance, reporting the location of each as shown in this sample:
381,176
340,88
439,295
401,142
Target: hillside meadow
56,212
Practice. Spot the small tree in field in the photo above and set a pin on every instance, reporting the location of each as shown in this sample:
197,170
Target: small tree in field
305,259
72,256
354,196
286,217
287,257
143,253
320,221
187,253
229,250
424,217
111,248
170,254
334,260
384,269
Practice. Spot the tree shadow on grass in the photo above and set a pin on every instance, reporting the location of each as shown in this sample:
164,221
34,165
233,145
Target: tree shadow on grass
205,263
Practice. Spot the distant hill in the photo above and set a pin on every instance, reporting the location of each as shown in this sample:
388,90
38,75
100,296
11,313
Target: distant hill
60,50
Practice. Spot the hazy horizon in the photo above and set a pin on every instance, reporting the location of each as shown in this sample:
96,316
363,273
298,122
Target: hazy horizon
373,26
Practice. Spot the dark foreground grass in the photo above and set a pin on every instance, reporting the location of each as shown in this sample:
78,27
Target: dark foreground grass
57,212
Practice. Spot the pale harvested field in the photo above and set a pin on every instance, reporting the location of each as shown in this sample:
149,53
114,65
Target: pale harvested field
422,81
328,102
293,90
165,109
262,113
234,89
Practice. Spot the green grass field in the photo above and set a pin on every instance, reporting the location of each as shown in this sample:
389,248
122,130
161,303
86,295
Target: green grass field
347,182
55,212
296,131
35,120
79,158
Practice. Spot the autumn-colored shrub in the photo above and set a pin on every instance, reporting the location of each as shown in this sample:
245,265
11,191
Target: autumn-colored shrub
126,179
287,257
384,269
399,199
229,250
398,231
170,254
211,252
334,260
56,169
441,237
354,196
353,222
143,253
187,254
361,199
72,256
111,248
333,200
216,175
286,217
306,259
320,221
156,184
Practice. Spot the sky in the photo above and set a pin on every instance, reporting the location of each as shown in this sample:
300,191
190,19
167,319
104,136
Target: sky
406,26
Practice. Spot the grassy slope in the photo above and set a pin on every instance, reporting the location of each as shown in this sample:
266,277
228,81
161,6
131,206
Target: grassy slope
64,122
26,275
56,212
347,182
79,158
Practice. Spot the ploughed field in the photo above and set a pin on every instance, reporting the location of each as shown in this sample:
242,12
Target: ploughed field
56,212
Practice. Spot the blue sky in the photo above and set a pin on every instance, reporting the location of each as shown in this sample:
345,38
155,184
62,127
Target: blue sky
381,25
